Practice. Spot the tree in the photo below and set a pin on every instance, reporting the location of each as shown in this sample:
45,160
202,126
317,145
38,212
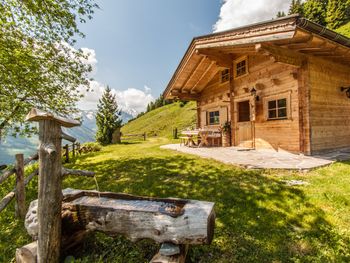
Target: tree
296,7
338,13
281,14
107,118
38,66
316,11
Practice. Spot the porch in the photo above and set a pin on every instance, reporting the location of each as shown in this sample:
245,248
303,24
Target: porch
261,159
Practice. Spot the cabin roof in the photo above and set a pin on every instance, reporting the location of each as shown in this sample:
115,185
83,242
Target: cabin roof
208,54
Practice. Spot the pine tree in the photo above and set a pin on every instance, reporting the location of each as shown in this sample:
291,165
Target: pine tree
107,118
316,11
281,14
338,13
296,7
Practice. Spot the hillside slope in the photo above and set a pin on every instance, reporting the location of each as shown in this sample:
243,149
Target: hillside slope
161,121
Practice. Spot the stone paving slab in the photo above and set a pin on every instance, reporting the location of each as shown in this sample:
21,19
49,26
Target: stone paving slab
255,159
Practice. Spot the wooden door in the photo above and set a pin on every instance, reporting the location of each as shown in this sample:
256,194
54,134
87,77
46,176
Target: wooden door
244,132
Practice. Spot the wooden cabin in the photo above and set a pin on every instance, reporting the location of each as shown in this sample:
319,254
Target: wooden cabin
283,84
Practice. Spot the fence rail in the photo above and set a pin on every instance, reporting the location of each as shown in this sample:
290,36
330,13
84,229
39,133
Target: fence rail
22,182
134,136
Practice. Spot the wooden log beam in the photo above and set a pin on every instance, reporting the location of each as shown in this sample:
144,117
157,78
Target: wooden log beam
27,253
281,55
178,221
66,171
191,75
221,59
10,172
184,96
203,76
67,137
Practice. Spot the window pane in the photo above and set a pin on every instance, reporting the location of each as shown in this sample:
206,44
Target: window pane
272,114
282,113
214,117
282,103
241,68
272,104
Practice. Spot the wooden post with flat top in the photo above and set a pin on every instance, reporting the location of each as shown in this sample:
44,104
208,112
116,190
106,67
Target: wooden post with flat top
20,207
50,186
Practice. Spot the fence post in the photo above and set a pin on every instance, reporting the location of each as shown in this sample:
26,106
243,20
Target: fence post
67,153
144,136
20,207
50,183
175,133
78,148
73,149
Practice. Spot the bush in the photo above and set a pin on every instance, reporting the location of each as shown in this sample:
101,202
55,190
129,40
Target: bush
90,147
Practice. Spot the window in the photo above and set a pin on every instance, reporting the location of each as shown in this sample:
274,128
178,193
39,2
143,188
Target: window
214,117
244,111
241,67
225,75
277,109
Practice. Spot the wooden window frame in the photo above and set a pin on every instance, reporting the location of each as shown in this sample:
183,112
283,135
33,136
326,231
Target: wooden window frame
227,76
237,61
208,118
276,97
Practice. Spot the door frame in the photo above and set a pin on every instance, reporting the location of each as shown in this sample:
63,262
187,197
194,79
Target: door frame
251,99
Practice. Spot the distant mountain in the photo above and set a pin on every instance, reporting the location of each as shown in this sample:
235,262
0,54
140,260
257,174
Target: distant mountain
84,133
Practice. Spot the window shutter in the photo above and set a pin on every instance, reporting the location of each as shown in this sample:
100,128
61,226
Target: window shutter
223,115
203,119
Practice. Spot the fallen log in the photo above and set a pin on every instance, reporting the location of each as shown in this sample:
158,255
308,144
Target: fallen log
27,253
178,221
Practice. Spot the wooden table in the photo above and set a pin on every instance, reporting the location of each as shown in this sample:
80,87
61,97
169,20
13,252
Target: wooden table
190,137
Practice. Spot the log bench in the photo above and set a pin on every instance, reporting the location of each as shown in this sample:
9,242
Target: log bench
175,223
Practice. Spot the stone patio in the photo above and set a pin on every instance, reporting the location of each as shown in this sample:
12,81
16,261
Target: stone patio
262,159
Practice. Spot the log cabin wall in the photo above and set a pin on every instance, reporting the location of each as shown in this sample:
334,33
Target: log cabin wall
215,97
272,81
329,107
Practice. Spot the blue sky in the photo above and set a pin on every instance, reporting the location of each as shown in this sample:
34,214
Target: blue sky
138,44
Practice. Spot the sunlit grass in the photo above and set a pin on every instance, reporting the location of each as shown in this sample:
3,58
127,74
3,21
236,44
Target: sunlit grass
259,218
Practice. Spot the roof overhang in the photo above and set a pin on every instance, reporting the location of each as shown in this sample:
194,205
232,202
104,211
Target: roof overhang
286,40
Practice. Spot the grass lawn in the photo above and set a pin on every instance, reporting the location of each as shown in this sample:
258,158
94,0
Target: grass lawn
259,218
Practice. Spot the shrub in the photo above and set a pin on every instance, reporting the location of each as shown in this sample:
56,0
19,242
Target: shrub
90,147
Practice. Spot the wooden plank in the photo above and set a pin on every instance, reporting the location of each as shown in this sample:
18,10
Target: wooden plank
38,115
20,208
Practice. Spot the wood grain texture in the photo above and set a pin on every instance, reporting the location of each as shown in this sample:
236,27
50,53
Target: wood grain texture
20,187
50,192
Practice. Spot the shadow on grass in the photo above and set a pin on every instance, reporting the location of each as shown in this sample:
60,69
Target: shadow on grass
259,219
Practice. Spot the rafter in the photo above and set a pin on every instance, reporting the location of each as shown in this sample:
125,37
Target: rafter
194,70
203,75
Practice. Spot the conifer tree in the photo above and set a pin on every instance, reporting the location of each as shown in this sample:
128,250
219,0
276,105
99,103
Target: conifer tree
338,13
296,7
107,118
316,11
281,14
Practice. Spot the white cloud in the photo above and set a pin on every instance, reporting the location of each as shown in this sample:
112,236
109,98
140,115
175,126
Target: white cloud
130,100
133,100
235,13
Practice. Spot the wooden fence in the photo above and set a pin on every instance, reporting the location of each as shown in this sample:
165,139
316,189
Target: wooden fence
133,136
21,182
